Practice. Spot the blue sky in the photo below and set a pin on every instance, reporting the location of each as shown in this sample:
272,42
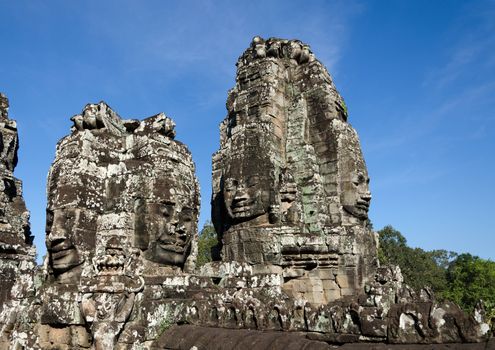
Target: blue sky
418,78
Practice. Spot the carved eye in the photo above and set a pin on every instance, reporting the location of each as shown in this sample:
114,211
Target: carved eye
230,184
167,209
186,219
253,181
49,217
186,215
359,179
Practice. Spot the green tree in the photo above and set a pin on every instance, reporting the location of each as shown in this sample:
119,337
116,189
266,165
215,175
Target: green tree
464,279
420,268
470,279
207,240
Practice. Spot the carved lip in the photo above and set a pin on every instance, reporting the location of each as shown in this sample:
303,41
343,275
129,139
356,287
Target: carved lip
62,253
62,245
172,248
363,205
241,208
62,249
173,241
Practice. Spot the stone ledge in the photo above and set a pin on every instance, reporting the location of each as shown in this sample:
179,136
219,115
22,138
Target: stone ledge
187,337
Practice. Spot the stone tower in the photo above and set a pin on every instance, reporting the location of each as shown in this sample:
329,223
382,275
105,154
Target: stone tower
123,203
17,253
290,185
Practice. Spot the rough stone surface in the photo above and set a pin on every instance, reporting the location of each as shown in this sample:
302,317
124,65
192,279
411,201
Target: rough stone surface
290,185
188,337
17,254
123,204
296,267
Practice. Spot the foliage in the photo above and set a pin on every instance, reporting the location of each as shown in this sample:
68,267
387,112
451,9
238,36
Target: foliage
420,268
470,279
463,279
344,107
207,240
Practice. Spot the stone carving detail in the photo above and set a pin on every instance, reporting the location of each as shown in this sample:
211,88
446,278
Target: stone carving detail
123,203
17,253
106,313
290,206
290,185
111,179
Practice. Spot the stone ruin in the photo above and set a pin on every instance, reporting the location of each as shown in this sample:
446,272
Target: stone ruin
123,204
17,253
296,264
290,186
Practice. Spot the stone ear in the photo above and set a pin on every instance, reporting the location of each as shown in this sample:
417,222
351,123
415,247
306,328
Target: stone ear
141,235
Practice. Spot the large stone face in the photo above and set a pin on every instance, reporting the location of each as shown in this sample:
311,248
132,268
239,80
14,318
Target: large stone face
290,185
120,186
123,203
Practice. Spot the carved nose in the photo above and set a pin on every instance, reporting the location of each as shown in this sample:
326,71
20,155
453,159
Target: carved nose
367,196
57,235
240,196
173,222
169,230
180,232
56,239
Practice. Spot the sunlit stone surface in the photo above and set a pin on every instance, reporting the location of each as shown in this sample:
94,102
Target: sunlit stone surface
17,253
290,185
296,264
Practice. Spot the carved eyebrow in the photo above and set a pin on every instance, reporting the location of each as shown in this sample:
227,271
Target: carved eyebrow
253,178
186,212
230,182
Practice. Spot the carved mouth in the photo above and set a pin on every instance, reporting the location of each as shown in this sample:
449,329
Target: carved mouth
112,263
61,245
238,209
172,248
171,245
56,255
63,254
242,207
363,205
65,259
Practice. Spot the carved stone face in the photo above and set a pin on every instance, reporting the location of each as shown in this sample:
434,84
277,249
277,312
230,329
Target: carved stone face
356,196
173,226
62,252
246,199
